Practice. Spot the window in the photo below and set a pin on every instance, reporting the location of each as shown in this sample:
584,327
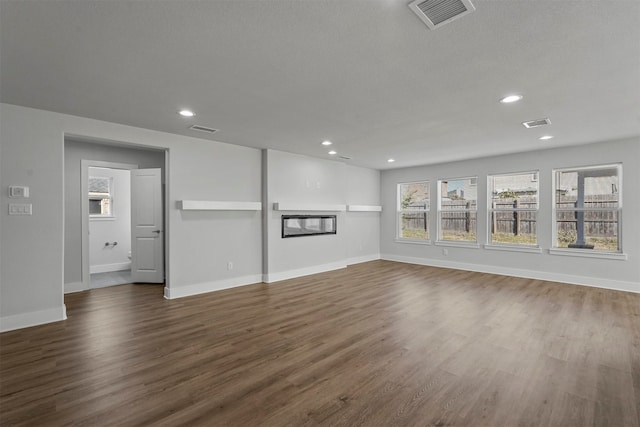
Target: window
413,211
100,197
513,209
587,208
457,209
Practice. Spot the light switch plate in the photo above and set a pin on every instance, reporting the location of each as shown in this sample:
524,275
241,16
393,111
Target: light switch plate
18,192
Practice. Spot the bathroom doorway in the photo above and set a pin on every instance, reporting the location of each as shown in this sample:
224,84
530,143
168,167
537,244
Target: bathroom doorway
109,199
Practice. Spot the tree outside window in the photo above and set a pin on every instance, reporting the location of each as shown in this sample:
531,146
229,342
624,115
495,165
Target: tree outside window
413,211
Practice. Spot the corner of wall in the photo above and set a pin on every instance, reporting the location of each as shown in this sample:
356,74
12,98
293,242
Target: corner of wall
572,279
74,287
205,287
33,318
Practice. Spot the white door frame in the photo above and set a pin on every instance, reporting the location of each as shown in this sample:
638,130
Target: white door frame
84,190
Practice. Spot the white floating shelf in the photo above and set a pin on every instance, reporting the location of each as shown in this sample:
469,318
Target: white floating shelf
278,206
203,205
364,208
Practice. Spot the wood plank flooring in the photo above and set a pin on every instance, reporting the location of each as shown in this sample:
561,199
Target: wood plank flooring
376,344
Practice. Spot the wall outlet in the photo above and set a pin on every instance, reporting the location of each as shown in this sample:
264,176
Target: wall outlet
229,265
445,252
20,209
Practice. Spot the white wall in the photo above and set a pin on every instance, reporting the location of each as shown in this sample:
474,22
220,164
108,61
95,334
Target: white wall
305,180
116,229
617,274
301,179
208,240
362,228
199,243
30,246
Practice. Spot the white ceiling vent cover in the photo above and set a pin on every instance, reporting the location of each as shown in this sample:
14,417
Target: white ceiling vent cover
436,13
536,123
203,129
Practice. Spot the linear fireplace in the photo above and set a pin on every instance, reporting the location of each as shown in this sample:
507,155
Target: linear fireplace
308,225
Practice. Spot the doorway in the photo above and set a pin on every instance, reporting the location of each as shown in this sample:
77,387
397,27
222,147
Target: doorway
125,223
102,251
106,223
109,199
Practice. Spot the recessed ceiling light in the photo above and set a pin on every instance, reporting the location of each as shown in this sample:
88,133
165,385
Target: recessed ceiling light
545,137
391,160
511,98
333,152
187,113
327,142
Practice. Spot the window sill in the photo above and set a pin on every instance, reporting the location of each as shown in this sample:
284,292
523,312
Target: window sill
588,254
102,218
470,245
413,242
514,248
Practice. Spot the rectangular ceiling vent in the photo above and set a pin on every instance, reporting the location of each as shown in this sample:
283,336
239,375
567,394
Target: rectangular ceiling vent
203,129
436,13
345,157
536,123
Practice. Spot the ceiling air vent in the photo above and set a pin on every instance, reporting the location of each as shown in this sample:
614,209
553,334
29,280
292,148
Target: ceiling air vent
536,123
344,157
203,129
436,13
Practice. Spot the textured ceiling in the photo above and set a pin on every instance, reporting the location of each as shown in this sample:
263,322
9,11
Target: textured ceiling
366,74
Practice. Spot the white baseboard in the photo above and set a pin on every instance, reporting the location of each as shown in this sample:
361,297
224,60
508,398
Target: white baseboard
617,285
218,285
33,318
364,258
299,272
74,287
107,268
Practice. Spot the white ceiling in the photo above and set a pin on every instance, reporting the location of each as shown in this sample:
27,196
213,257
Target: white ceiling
366,74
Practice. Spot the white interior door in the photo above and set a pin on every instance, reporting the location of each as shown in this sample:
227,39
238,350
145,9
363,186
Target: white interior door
147,226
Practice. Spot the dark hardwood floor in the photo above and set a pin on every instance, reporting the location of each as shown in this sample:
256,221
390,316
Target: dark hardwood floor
376,344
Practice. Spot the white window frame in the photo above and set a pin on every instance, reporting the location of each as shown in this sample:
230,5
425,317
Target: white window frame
580,252
491,210
400,212
109,196
473,182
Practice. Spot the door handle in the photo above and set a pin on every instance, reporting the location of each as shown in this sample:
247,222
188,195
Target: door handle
157,231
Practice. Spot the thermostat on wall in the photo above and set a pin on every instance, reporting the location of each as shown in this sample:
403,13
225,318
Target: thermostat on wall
18,192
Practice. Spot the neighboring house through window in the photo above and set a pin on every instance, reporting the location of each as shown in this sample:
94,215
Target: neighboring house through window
513,209
457,210
587,208
100,196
